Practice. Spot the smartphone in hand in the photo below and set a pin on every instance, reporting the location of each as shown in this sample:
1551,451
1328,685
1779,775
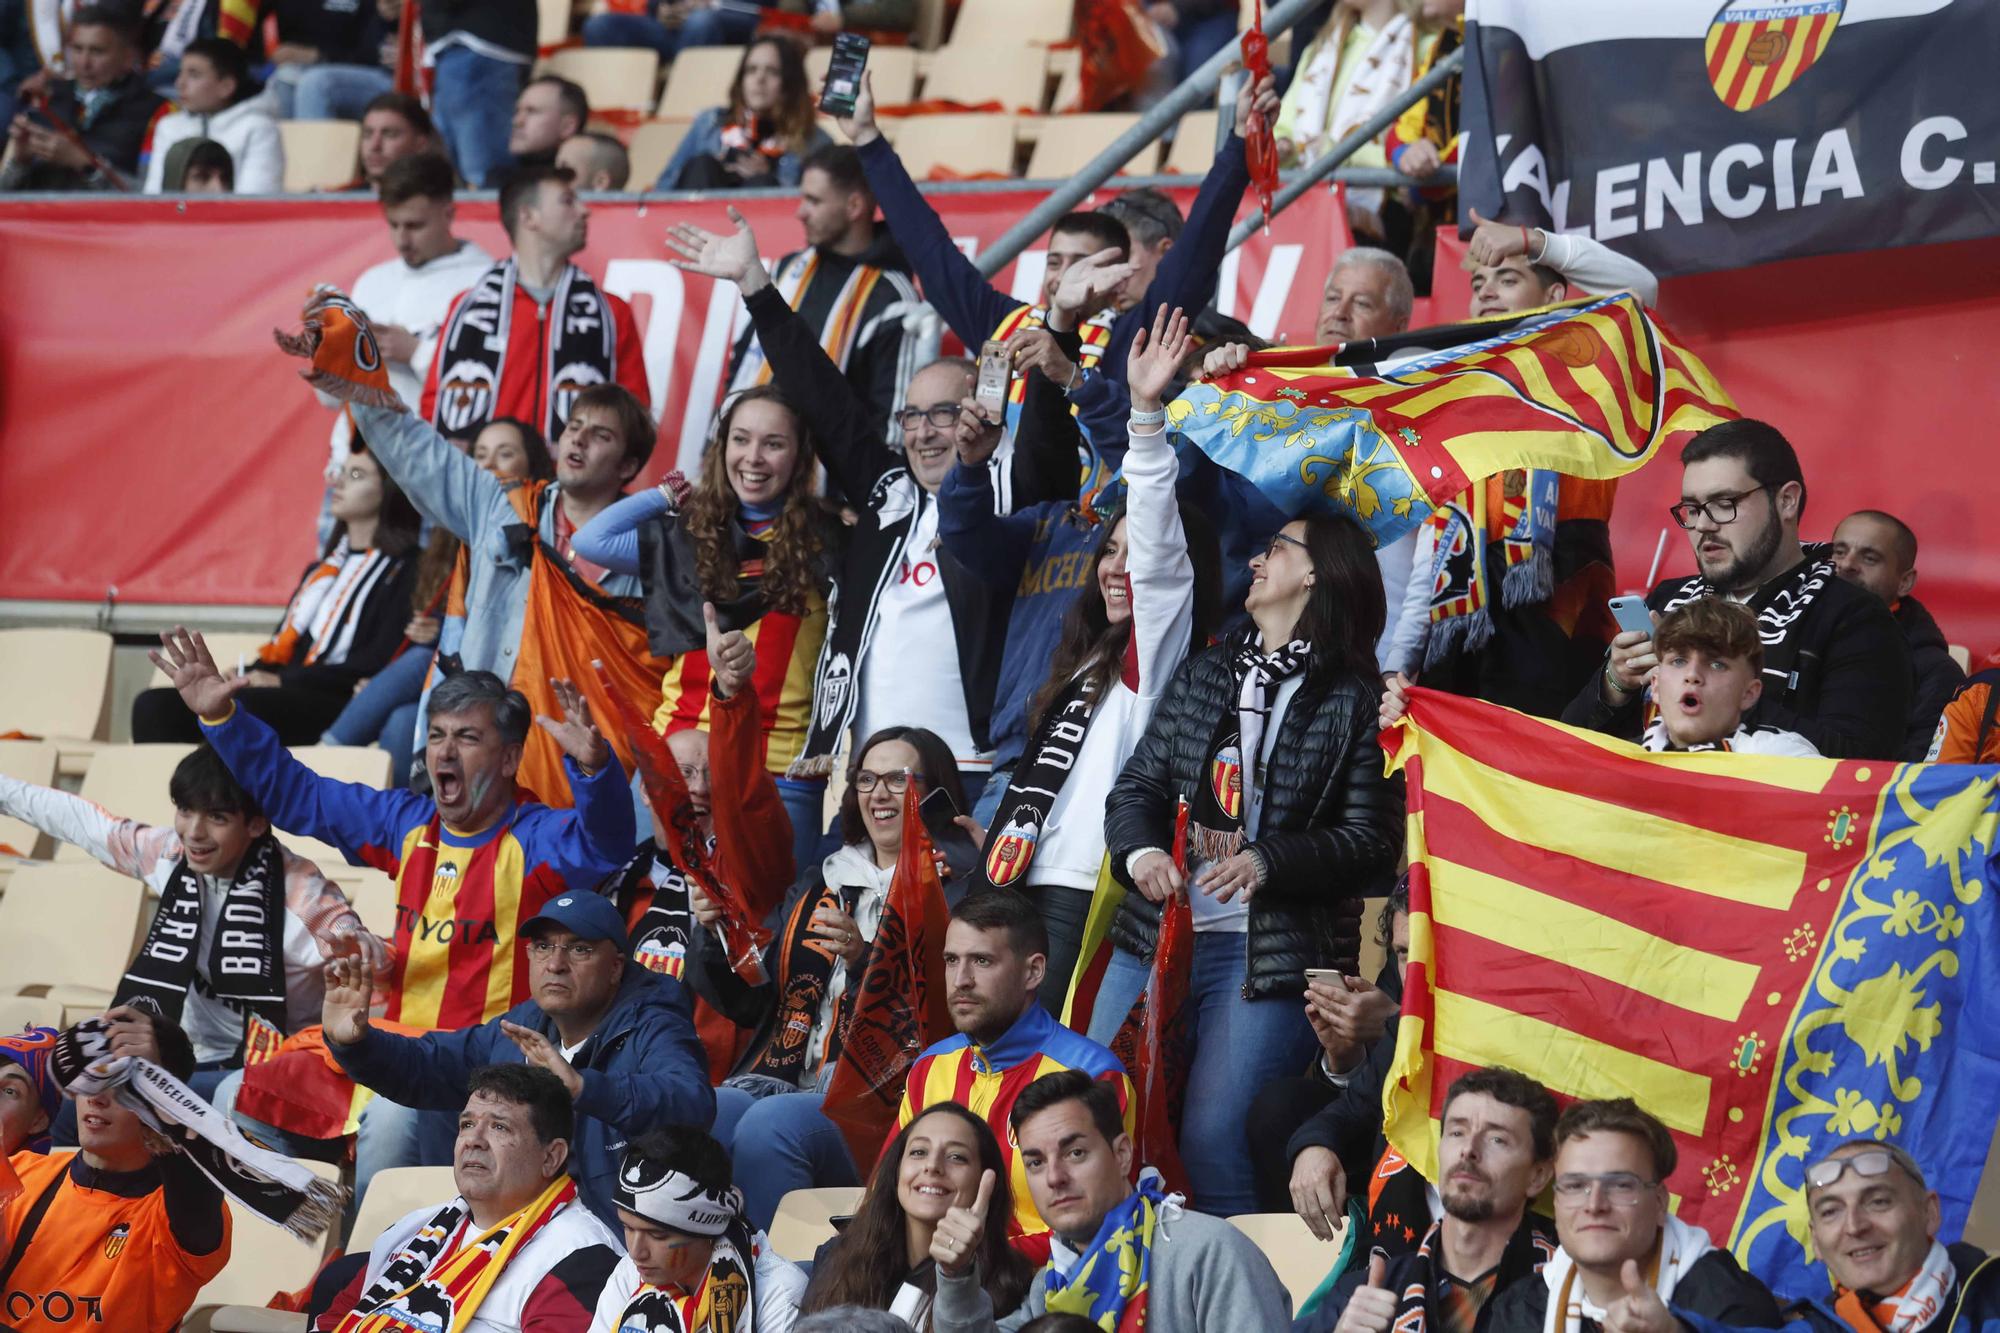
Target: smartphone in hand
843,74
996,369
940,815
1631,615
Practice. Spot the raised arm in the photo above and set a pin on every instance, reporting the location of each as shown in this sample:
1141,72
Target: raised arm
1582,262
1156,550
125,845
992,547
612,538
446,486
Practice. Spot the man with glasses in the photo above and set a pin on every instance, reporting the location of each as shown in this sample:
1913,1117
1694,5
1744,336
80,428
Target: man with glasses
1836,668
619,1039
1625,1261
1875,1227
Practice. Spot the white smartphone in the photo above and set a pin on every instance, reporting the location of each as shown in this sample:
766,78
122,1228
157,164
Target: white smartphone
1632,615
1332,976
995,371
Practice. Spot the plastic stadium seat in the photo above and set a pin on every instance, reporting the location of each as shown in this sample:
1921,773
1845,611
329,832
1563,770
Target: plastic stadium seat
652,147
372,893
29,761
21,1012
1301,1258
968,144
1982,1224
1015,75
42,951
319,154
804,1220
892,70
999,24
395,1192
614,78
699,78
552,27
1193,150
244,1319
1068,143
263,1261
230,649
55,682
131,782
1961,655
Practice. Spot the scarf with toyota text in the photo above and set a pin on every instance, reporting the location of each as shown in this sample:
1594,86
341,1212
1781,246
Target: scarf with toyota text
1221,806
582,348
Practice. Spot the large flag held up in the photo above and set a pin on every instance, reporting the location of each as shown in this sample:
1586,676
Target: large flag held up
1771,955
1698,135
1391,429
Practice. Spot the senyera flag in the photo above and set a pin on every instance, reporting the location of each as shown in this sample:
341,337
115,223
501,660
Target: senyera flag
1390,430
1696,135
1772,955
902,1004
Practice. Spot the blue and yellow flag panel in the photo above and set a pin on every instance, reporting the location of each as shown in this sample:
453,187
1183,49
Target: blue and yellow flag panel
1771,955
1388,430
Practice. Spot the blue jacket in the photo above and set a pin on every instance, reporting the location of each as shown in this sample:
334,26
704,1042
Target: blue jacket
643,1068
1972,1307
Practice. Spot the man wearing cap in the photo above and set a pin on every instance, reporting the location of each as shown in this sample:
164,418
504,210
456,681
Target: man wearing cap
620,1039
1875,1226
692,1260
29,1097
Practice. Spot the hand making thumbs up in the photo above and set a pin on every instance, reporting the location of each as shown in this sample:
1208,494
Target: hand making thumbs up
1371,1309
955,1243
1640,1309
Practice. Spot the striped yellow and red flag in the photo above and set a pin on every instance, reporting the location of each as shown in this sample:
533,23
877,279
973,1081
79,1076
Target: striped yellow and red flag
1770,954
1387,430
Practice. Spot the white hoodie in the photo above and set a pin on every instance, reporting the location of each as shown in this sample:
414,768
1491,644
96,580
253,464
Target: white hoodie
246,130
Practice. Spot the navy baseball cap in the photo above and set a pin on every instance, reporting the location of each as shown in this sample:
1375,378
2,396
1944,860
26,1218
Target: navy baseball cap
586,915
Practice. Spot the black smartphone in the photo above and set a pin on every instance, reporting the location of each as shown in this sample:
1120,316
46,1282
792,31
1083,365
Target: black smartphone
939,811
843,74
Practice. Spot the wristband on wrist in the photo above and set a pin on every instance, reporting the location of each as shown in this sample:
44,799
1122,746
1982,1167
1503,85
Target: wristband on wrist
1611,679
1155,418
1075,374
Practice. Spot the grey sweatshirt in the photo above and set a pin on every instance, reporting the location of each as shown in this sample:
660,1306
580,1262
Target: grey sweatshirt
1205,1277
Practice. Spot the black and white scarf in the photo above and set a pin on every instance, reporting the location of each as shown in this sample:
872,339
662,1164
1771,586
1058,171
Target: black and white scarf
1779,606
725,1300
246,958
1045,765
271,1185
1221,806
581,351
665,933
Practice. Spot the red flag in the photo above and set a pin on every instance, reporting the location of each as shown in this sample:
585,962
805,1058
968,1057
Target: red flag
1119,47
1260,146
1152,1042
406,52
901,1008
302,1090
743,940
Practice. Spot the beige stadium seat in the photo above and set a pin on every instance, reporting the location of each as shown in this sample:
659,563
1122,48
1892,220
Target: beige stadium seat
131,782
804,1220
319,154
372,893
263,1261
892,71
1982,1224
699,78
553,20
18,1013
614,78
1961,655
231,649
55,682
27,761
968,144
395,1193
1193,150
998,24
652,147
1016,76
42,949
244,1319
1068,143
1301,1258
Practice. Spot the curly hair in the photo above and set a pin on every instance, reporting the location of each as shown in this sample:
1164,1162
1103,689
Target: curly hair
791,571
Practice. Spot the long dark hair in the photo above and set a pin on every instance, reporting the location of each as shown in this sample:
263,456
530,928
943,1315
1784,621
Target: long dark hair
397,522
872,1261
1092,647
794,113
791,569
940,768
1345,609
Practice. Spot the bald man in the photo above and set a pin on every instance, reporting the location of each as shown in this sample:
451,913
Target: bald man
1878,551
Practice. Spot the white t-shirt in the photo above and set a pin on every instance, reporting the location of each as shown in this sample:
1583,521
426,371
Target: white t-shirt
910,676
1235,914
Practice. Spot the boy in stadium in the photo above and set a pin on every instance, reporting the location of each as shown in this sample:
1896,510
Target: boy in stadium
1710,674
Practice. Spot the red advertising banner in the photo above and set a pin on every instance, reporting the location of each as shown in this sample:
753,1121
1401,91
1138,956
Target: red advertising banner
153,441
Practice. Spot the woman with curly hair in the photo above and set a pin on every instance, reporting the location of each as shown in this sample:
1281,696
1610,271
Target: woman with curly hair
765,134
749,538
882,1259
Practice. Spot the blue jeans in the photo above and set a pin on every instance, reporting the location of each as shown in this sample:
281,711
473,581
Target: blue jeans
385,712
788,1145
388,1137
473,105
338,92
987,803
1239,1046
1195,41
704,27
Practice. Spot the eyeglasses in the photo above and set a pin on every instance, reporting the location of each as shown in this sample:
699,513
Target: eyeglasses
689,772
944,416
897,780
1622,1188
1722,509
1867,1164
1279,539
579,951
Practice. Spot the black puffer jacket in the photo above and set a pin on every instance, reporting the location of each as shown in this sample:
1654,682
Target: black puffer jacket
1332,823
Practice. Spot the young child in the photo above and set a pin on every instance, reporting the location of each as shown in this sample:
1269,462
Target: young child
1710,673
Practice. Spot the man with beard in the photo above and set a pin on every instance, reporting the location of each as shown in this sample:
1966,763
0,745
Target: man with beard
1496,1152
1836,669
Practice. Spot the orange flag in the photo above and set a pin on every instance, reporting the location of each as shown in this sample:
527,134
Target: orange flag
901,1008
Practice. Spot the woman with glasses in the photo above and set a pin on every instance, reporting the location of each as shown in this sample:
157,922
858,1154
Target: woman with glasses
1270,736
771,1105
751,539
1145,600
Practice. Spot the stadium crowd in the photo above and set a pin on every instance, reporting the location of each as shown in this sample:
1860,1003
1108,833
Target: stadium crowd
626,970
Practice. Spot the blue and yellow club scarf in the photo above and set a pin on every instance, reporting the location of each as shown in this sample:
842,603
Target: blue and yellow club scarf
1107,1285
